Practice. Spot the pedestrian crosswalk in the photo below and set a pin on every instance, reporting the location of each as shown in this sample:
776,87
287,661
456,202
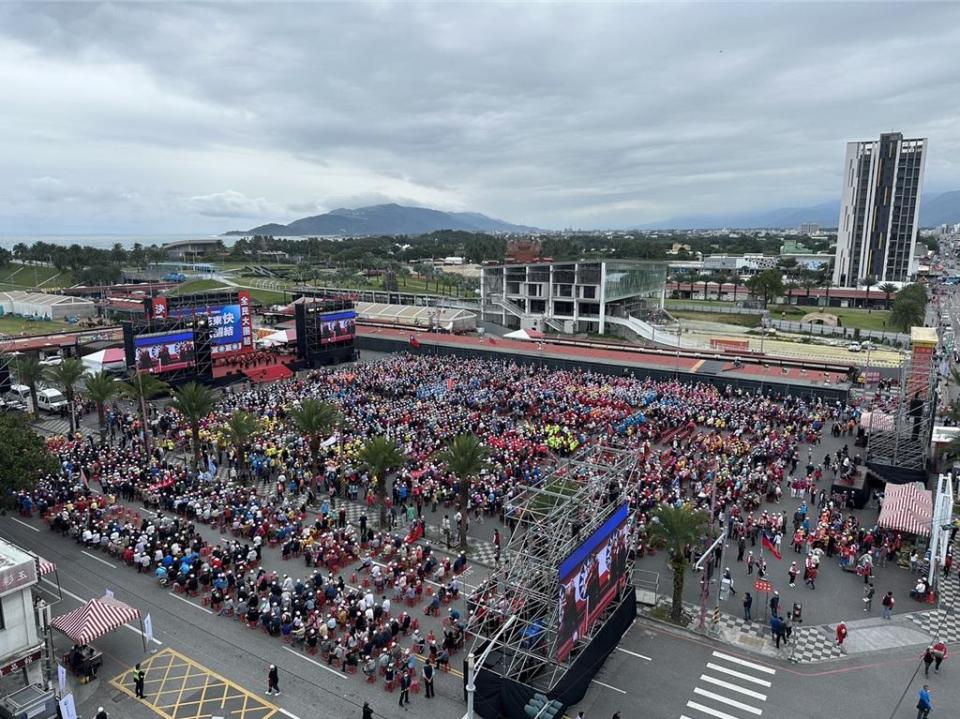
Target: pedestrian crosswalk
730,688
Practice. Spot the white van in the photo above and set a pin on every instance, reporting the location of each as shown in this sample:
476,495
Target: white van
50,400
19,393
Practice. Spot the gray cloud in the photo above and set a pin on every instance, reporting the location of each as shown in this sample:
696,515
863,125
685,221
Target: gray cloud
546,114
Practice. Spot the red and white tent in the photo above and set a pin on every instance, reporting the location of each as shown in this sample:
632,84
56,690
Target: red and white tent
907,508
112,358
46,566
94,619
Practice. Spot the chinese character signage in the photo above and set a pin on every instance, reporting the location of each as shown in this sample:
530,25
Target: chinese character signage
16,576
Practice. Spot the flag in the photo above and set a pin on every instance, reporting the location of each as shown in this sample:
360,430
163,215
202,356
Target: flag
414,342
83,478
767,543
450,384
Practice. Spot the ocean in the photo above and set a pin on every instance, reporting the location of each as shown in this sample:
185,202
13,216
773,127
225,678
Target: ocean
105,241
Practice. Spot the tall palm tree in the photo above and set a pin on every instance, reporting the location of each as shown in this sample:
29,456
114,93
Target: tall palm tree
888,289
239,430
30,372
314,420
66,375
465,456
140,389
380,455
677,527
101,388
868,282
194,402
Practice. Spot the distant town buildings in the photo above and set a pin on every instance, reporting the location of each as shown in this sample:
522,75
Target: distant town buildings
809,228
879,210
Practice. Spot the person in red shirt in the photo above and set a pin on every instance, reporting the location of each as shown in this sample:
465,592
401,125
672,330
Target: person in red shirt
841,634
939,654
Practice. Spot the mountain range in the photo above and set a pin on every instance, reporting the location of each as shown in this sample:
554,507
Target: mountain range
935,209
389,219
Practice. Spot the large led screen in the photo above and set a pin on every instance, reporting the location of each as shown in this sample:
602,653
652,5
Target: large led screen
226,327
164,352
340,327
590,578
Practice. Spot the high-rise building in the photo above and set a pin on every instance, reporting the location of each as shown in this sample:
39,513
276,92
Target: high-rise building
880,209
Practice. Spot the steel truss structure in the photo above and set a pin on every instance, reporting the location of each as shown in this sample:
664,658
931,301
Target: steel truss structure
900,437
549,522
6,361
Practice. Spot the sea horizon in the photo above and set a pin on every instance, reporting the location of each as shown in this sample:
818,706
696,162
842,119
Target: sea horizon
106,241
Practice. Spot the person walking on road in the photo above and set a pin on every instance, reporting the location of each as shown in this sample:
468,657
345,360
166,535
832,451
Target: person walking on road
924,705
888,603
428,678
927,660
273,681
939,654
367,711
841,636
101,713
138,678
404,689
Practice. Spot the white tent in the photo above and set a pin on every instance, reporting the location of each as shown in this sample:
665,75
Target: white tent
534,335
279,338
113,358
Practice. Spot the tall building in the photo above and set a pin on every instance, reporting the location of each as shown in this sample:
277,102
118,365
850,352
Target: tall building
880,209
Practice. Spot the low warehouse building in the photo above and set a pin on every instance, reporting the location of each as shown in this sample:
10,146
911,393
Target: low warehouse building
41,304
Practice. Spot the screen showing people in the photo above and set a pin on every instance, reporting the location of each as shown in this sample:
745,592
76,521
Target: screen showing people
590,578
225,326
164,352
338,328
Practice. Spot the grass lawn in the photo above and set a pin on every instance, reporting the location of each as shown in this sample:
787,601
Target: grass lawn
872,320
23,277
185,288
729,319
16,326
270,297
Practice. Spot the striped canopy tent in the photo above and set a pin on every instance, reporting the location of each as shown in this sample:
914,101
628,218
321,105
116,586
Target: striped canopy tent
907,508
94,619
46,566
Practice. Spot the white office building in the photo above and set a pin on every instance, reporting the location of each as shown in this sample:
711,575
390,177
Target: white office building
880,210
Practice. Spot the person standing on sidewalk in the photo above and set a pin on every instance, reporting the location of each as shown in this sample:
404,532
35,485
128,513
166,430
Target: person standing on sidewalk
428,678
924,705
139,676
747,606
841,636
367,711
868,592
273,681
404,689
888,603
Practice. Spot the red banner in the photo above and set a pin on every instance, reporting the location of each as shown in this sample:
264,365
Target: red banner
246,321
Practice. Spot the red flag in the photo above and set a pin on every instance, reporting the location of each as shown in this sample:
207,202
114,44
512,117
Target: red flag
449,384
767,543
414,342
83,478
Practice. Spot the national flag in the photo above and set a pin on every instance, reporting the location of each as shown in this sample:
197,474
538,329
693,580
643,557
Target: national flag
450,384
767,543
414,342
83,478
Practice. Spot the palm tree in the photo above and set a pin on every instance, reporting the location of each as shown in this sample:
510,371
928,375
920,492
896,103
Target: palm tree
29,372
465,457
194,402
239,430
66,375
379,455
141,388
677,527
907,313
101,388
314,419
888,289
868,282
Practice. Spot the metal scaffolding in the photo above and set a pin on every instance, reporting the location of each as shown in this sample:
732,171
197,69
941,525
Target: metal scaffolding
900,431
7,356
549,522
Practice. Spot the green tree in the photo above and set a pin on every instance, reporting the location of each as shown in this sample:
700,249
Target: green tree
379,455
888,289
141,388
314,420
907,313
101,388
766,284
464,457
194,402
30,373
24,458
868,282
239,430
809,279
676,527
67,375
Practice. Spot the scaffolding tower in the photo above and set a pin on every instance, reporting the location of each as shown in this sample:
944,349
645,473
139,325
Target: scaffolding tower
7,358
549,522
899,434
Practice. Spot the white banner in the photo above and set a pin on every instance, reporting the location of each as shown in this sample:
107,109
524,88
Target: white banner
108,593
148,628
67,708
62,678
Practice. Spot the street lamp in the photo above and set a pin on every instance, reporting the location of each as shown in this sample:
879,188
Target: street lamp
472,665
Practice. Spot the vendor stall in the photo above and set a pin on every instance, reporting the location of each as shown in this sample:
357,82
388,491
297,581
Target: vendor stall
907,508
91,621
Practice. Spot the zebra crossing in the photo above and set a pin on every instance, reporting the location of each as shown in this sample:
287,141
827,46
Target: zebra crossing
730,688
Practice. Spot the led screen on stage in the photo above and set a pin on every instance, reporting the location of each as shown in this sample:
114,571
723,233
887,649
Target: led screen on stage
340,327
590,578
164,352
230,325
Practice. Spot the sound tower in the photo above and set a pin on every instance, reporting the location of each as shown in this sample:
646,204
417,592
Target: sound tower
202,348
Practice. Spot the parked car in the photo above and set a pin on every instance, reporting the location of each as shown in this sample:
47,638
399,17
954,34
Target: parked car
50,400
854,347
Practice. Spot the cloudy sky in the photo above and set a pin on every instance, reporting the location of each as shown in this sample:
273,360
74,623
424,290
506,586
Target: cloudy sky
175,117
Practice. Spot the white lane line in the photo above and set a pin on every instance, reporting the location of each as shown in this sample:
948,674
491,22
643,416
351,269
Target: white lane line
724,700
707,710
739,675
634,654
319,664
286,713
187,601
733,687
97,559
744,663
595,681
28,526
84,601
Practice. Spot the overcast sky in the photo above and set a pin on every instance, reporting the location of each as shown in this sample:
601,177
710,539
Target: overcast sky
176,117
